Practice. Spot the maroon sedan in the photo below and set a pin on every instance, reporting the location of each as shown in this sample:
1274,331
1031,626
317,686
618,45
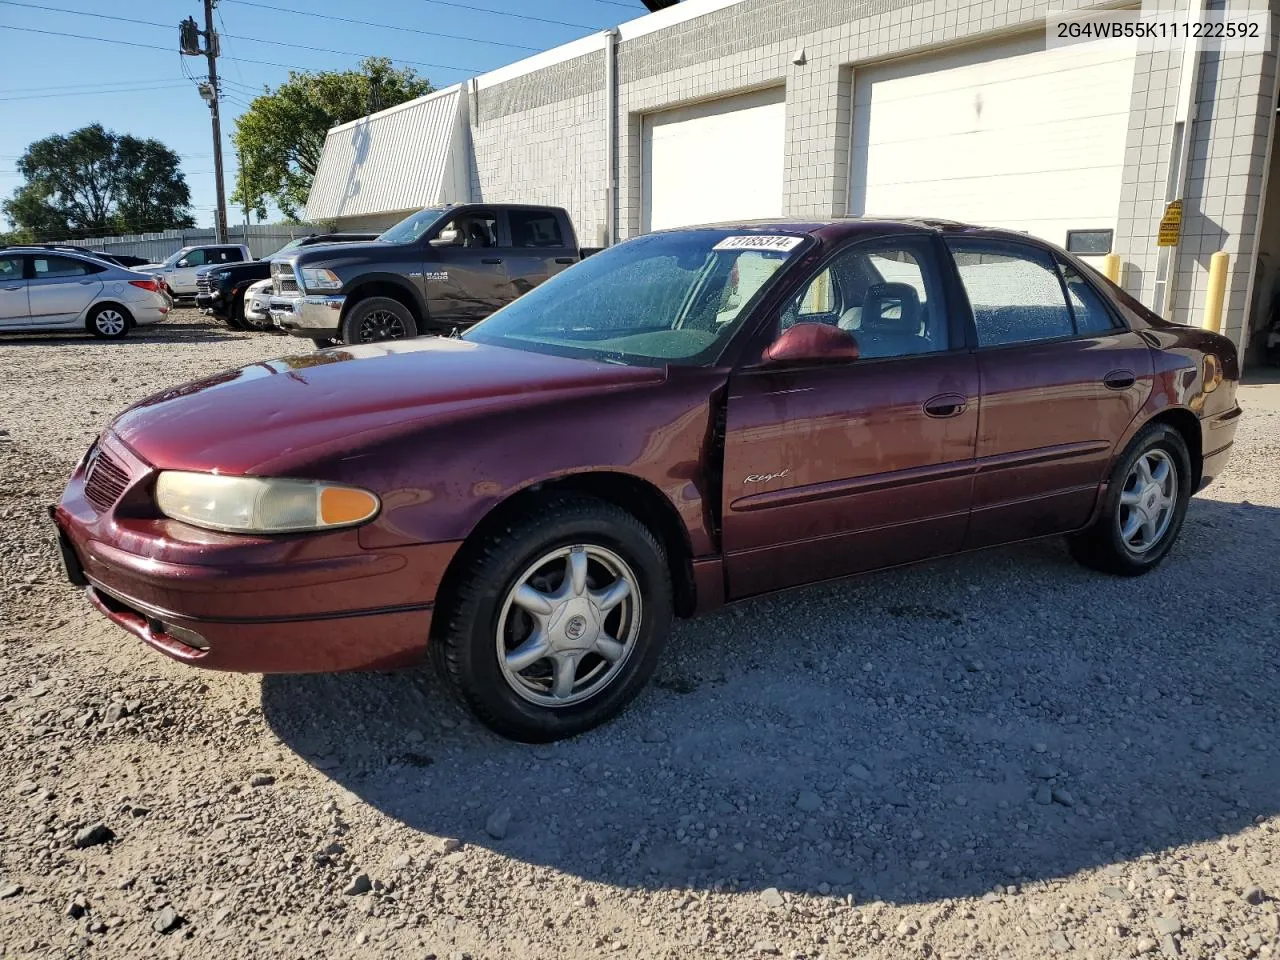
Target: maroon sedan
686,419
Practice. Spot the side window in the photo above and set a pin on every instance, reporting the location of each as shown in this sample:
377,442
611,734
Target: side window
1091,313
50,268
534,228
885,292
1014,291
475,229
194,258
10,269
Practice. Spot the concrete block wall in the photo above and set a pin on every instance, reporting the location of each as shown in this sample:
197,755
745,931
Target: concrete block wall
540,138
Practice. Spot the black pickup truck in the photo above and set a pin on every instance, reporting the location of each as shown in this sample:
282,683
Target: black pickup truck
438,270
220,288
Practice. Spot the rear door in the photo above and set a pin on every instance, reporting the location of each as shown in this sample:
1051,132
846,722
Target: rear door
61,288
1062,379
13,291
467,280
538,249
838,468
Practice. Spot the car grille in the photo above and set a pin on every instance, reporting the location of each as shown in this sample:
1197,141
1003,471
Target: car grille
105,481
203,284
283,279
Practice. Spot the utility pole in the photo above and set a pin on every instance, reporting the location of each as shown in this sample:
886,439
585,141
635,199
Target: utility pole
240,160
189,45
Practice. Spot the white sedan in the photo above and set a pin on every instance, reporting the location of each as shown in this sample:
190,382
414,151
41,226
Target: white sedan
45,291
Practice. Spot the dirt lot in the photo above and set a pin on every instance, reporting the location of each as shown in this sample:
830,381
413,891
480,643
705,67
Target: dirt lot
1002,755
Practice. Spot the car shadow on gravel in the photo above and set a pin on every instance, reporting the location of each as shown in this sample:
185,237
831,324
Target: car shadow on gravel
212,332
933,732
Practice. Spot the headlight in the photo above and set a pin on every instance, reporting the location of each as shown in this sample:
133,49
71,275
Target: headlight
256,505
317,278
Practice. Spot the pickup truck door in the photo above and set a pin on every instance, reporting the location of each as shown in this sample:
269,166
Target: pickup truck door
61,289
13,292
181,277
537,250
466,280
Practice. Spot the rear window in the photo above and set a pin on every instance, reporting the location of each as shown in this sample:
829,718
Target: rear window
535,228
50,268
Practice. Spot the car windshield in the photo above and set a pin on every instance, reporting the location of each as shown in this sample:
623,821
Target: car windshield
663,298
412,227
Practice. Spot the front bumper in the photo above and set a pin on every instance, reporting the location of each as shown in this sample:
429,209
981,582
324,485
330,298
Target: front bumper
286,604
307,316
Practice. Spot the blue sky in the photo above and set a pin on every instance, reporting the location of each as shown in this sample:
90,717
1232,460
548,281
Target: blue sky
53,84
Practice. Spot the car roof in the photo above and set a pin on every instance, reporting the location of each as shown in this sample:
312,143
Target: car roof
840,228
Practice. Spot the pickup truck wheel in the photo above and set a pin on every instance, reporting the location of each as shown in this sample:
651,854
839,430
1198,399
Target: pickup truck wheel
235,316
558,620
377,319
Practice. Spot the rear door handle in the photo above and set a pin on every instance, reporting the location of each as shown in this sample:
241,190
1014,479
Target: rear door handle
1119,380
491,260
566,260
946,405
85,283
13,288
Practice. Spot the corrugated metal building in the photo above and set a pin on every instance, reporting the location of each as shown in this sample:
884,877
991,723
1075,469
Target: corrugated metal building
955,108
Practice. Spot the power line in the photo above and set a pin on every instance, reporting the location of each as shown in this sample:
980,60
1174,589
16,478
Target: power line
470,8
231,36
90,93
145,46
399,28
87,86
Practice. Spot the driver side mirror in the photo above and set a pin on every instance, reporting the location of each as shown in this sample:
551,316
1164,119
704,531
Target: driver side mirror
182,263
812,343
448,237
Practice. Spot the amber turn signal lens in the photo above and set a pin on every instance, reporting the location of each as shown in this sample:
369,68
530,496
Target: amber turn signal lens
343,505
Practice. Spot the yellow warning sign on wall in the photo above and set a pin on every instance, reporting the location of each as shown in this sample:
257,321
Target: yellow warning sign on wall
1170,225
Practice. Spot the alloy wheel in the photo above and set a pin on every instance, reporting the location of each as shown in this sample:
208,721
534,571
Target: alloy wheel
110,323
568,625
1147,500
381,325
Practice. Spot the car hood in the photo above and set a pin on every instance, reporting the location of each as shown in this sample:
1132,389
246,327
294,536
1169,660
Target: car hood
271,417
148,267
329,252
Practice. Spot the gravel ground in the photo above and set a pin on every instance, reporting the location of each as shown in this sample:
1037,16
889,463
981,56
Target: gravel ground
999,755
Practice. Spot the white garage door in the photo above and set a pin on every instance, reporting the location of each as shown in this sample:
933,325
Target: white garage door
1007,136
713,161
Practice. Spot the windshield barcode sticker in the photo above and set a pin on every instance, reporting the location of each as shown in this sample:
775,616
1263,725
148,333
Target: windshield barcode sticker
759,242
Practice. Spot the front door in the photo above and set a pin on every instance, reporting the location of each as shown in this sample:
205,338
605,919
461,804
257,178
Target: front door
61,289
13,292
466,280
831,470
181,277
1062,379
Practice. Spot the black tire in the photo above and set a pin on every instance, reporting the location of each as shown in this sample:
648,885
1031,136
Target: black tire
235,316
1102,546
376,319
109,321
464,648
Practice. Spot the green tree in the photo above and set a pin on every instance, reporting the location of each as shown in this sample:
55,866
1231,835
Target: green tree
281,136
92,182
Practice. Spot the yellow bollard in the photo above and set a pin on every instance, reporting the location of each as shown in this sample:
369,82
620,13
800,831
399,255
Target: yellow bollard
1111,267
1215,291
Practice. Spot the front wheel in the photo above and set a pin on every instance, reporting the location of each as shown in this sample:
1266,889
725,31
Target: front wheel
558,620
1145,504
377,319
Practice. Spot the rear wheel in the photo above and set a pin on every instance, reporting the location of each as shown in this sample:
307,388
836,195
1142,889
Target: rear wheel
558,620
377,319
109,322
1145,504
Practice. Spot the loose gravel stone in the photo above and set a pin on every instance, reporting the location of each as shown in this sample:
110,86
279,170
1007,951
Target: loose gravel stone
771,898
93,835
1253,895
166,920
498,823
360,884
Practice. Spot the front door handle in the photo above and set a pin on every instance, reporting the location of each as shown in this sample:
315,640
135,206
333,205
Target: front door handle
13,289
946,405
491,260
566,260
85,283
1119,380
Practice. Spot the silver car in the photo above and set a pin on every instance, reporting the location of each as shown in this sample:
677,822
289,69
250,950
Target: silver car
42,290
